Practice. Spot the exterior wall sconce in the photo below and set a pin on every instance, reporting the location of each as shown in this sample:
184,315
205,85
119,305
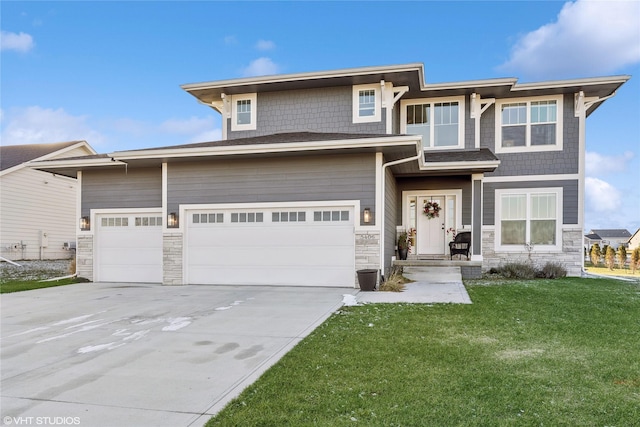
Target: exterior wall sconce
367,215
172,220
85,223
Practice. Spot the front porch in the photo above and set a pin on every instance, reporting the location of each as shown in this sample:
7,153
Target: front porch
469,269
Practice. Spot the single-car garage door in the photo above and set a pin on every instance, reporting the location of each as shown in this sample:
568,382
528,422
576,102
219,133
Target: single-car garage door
129,248
277,246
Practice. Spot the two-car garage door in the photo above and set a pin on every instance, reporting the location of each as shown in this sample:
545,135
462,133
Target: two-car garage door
290,245
277,246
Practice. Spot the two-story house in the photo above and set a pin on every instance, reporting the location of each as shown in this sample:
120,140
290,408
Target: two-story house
317,172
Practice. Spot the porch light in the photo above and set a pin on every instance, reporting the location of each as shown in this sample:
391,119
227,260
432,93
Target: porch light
85,223
367,215
172,220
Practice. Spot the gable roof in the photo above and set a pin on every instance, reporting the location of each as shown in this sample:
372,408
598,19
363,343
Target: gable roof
16,155
612,233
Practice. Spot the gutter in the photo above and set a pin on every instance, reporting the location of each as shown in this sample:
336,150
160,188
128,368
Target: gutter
383,188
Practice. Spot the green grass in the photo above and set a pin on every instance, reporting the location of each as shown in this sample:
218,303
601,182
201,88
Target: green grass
542,352
27,285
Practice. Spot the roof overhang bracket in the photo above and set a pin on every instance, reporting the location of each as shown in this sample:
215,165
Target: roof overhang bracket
479,105
582,103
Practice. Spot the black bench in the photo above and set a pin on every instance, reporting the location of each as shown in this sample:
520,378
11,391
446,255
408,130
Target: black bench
461,244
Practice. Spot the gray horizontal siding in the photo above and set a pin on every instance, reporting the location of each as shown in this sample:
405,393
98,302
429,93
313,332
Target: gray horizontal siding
536,163
437,183
569,197
313,110
121,188
284,179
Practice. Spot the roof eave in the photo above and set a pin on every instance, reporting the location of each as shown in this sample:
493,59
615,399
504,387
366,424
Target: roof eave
234,150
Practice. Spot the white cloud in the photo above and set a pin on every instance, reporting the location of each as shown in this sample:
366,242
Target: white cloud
599,164
261,67
21,42
601,197
589,37
37,125
265,45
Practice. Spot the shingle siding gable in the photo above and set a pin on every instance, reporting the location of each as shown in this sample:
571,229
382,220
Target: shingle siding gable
314,110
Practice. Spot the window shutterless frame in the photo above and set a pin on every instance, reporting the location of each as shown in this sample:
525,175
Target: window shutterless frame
244,112
529,124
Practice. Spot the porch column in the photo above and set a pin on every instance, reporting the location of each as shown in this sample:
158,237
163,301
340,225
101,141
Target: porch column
476,216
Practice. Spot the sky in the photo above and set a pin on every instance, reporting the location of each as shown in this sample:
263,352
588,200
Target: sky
110,72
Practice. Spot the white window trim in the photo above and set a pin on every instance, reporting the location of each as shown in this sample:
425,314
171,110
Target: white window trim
528,192
461,116
253,97
529,148
377,115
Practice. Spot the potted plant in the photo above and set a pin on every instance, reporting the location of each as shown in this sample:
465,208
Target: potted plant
403,245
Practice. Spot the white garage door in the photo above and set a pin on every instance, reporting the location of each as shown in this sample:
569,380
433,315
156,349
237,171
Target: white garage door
129,248
283,246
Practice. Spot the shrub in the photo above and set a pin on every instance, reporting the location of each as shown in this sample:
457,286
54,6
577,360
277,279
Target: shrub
622,256
517,270
595,254
395,282
552,270
610,257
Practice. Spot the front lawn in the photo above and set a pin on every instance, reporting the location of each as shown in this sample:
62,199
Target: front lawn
540,352
27,285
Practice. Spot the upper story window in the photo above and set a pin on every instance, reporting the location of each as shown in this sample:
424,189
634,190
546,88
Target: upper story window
243,112
440,122
367,103
529,124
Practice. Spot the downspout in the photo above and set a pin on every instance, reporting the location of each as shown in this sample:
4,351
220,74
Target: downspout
383,185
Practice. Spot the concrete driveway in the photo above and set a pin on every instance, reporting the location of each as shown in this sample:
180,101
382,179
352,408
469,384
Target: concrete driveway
145,355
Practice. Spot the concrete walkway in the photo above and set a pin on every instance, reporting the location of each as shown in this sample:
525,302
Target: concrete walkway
432,285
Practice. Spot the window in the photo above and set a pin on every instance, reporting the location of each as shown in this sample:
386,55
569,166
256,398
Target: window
367,104
115,222
441,122
148,221
330,216
533,124
243,112
211,218
528,217
247,217
288,216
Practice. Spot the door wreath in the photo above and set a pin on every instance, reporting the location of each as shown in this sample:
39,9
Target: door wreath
432,209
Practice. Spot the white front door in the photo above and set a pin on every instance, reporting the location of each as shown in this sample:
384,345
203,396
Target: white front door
430,231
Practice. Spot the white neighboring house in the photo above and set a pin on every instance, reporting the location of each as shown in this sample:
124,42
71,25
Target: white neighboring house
634,241
38,209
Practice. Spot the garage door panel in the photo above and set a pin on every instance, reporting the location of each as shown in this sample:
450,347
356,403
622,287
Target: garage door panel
127,250
277,275
306,252
267,256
